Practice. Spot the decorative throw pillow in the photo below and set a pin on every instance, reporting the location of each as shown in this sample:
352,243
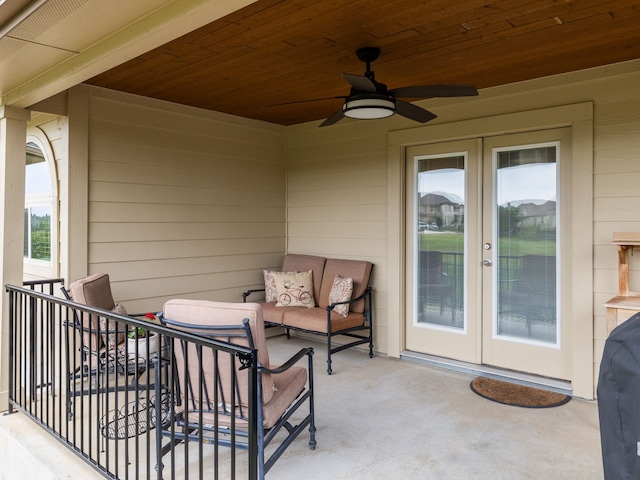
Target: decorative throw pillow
294,289
113,332
270,294
341,291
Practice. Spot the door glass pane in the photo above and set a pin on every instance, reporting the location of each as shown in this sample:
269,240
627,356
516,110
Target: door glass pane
526,226
440,240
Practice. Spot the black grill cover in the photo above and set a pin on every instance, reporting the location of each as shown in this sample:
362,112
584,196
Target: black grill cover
619,402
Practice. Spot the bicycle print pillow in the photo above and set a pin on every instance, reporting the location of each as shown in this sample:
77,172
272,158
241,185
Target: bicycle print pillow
294,289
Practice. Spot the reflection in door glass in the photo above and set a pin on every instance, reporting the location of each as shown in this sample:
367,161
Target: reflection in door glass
440,240
526,229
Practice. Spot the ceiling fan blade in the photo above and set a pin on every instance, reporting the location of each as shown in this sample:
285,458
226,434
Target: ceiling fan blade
344,97
335,118
413,112
430,91
360,83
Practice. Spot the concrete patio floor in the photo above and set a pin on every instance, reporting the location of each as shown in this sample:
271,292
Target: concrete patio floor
384,418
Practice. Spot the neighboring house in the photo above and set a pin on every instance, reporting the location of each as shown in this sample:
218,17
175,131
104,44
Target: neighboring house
539,216
442,210
177,201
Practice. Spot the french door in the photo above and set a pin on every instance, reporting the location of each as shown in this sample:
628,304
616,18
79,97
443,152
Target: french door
485,251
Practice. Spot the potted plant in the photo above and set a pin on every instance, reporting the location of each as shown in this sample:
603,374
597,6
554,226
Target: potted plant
146,340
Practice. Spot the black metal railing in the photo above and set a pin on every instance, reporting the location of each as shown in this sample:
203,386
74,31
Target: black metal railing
112,405
510,268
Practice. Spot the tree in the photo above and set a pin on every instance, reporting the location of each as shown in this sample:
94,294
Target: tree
509,220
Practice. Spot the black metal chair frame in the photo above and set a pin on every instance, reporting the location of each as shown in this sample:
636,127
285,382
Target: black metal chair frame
216,403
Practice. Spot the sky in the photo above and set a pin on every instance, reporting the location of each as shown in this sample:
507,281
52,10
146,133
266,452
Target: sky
525,182
37,179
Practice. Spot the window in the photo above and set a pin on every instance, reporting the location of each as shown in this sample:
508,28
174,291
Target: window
37,210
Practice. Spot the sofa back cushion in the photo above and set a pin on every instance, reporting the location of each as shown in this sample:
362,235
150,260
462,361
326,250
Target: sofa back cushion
358,270
294,262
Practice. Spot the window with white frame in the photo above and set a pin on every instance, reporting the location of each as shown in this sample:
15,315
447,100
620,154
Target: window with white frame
38,207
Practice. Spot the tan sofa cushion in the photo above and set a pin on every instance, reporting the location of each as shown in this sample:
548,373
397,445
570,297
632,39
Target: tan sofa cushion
271,313
358,270
274,314
315,319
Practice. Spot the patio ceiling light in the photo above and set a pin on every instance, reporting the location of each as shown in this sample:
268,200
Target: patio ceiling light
368,107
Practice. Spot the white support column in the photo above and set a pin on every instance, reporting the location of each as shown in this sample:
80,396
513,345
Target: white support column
13,134
74,188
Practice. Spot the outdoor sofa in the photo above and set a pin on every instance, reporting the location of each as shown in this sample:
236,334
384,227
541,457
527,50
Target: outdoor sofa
320,296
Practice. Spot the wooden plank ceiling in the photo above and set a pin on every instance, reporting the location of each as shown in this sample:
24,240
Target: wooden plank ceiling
277,51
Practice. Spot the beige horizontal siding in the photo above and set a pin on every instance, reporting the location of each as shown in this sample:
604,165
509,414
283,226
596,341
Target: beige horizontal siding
182,202
337,201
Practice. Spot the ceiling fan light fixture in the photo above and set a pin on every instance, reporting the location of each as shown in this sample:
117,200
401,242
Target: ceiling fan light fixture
369,108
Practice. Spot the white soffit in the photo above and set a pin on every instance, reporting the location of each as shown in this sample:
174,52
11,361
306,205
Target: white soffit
19,34
64,42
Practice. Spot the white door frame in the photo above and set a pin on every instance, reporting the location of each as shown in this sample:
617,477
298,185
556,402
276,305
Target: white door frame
579,117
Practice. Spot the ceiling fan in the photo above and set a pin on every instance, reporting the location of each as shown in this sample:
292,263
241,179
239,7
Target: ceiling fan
369,99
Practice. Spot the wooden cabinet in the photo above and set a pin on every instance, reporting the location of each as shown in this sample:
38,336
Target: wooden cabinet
627,302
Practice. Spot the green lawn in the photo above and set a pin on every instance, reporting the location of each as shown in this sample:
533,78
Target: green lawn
454,243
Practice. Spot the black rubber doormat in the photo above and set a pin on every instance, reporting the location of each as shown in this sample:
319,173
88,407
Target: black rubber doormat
517,395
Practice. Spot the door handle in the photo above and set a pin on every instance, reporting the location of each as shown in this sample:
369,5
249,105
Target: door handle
487,263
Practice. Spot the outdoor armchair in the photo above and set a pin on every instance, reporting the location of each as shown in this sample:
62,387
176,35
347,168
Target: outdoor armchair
101,341
211,387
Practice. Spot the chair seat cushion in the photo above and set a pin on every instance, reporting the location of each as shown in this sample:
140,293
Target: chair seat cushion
288,385
315,319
